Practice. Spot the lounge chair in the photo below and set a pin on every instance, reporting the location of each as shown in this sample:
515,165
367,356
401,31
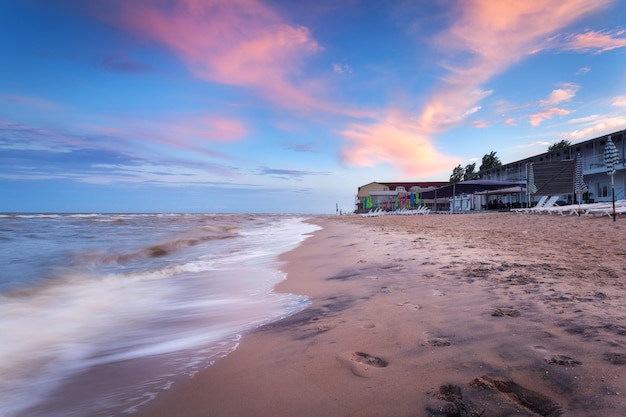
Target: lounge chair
546,206
607,209
540,203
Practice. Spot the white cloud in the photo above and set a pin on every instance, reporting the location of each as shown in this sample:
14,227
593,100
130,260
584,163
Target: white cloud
596,125
540,116
559,95
619,101
342,69
583,71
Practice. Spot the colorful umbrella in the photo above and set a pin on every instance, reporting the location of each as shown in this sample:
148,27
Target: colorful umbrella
611,159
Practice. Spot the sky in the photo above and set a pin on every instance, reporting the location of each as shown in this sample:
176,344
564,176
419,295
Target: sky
281,106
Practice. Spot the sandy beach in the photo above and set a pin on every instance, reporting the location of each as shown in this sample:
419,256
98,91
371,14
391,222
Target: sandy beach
494,314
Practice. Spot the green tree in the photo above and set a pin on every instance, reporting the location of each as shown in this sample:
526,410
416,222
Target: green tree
470,173
559,145
457,174
490,161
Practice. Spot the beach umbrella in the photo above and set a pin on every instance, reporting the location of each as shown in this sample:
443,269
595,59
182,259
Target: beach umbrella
530,185
580,187
611,159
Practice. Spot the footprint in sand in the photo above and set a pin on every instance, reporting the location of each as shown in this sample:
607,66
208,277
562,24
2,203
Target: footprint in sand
438,342
410,305
561,360
505,311
367,359
532,400
615,358
363,364
455,404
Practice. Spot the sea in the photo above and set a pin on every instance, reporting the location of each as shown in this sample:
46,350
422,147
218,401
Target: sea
99,313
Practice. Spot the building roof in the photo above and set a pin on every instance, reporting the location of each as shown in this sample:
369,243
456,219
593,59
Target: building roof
469,187
407,185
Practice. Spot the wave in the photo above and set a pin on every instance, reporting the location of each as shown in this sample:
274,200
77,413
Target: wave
159,250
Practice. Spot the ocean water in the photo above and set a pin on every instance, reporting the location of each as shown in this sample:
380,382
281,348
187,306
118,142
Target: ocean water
99,313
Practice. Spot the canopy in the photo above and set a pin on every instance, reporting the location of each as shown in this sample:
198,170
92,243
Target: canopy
472,187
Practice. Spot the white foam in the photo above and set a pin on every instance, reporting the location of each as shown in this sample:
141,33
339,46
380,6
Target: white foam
194,305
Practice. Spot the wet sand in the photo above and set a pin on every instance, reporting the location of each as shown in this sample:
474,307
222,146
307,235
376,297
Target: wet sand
439,315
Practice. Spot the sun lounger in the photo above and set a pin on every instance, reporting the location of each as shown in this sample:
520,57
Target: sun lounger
546,206
603,209
562,210
540,203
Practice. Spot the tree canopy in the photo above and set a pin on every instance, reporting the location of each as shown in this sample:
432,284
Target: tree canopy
468,173
464,174
490,161
457,174
559,145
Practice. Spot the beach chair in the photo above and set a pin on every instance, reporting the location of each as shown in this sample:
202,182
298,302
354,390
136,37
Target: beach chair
603,209
562,210
540,203
546,206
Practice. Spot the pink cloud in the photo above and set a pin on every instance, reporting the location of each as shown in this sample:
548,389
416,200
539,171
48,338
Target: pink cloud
540,116
619,101
480,124
236,42
397,141
486,38
596,126
33,102
209,128
511,121
559,95
597,41
189,133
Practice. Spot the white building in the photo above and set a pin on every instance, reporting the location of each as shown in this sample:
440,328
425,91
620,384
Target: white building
594,169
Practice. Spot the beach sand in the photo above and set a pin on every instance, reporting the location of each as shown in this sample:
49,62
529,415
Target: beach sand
494,314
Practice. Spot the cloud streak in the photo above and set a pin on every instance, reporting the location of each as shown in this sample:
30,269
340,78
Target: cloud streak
241,43
397,141
246,43
535,119
559,95
122,64
593,41
483,40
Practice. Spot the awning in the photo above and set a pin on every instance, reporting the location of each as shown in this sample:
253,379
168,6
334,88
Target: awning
508,190
471,187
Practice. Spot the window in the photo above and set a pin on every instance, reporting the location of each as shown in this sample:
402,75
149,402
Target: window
603,190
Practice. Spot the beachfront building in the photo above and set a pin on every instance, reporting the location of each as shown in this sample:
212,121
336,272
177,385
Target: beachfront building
392,195
505,187
554,172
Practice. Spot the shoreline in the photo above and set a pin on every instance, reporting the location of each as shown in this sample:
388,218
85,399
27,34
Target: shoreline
429,315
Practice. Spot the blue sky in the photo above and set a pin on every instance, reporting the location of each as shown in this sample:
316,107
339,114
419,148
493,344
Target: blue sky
289,106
